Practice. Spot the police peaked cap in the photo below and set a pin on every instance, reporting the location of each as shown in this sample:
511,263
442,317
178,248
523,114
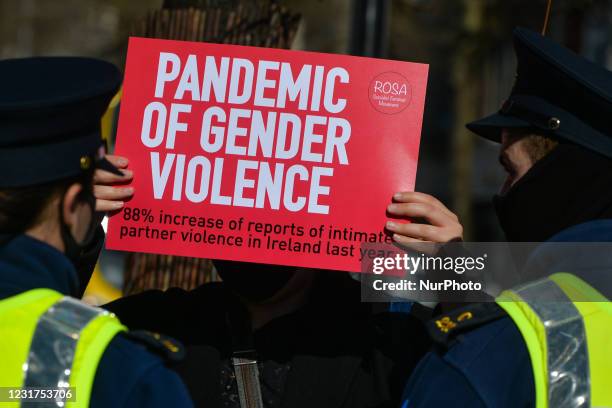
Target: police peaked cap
50,118
557,93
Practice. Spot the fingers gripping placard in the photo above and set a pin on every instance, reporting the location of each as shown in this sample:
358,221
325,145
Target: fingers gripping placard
264,155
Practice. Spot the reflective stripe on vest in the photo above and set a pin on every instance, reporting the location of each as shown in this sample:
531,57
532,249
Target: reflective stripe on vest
64,346
558,340
54,344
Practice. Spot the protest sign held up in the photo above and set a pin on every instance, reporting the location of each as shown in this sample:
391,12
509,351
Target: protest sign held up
263,155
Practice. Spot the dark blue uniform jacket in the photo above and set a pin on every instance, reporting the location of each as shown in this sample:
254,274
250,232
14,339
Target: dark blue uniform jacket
490,366
128,374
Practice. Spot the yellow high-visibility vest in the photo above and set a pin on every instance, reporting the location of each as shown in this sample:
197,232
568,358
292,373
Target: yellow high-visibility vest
567,327
50,340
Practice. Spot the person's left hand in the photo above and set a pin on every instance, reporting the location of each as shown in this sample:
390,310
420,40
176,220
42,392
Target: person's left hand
109,196
431,220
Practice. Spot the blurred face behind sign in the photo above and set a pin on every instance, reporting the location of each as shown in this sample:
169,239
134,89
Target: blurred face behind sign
268,291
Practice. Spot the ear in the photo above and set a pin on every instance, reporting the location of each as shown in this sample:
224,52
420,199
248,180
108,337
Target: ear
69,207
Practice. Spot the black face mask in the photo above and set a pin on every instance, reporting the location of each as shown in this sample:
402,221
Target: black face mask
569,186
73,249
254,282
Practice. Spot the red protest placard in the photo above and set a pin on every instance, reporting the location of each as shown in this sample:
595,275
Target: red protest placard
264,155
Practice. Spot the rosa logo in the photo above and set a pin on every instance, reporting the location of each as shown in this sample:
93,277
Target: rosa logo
390,93
393,88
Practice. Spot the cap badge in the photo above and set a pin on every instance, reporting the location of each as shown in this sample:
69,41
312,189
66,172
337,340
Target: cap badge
85,163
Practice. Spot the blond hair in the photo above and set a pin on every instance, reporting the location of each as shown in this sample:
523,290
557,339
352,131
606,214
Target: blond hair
538,146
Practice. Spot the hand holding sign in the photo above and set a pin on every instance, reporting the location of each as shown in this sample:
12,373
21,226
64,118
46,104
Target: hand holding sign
434,222
108,197
260,137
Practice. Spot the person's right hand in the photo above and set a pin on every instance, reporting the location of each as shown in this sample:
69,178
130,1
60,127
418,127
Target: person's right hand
110,196
430,220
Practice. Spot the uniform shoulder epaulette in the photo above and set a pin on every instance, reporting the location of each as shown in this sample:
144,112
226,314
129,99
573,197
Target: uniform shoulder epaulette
444,328
165,346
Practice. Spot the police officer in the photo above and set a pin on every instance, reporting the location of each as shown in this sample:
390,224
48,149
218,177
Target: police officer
50,146
545,343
